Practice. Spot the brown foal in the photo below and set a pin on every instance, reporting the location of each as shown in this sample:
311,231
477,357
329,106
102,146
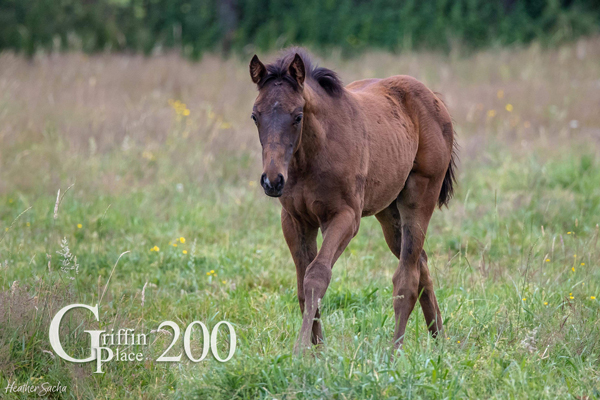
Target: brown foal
335,154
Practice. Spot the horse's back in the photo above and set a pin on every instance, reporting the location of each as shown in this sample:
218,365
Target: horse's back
361,84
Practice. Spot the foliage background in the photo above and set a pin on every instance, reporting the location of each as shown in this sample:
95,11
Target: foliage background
196,26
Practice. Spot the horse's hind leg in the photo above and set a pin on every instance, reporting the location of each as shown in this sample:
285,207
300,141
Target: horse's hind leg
391,224
415,203
427,298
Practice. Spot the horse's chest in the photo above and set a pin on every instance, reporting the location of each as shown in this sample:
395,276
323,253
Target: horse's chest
295,203
307,205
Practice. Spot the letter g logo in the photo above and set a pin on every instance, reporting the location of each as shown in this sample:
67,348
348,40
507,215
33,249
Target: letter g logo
55,339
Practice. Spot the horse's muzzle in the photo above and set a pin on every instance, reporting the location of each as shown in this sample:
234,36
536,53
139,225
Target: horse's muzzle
272,189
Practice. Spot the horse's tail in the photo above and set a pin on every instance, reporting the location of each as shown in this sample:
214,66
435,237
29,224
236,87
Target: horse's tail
450,178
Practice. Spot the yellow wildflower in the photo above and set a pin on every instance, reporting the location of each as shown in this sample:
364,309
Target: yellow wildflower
491,113
156,248
174,244
573,269
547,260
458,341
148,155
571,297
79,226
509,107
184,252
593,297
182,239
545,303
29,224
582,264
524,298
186,112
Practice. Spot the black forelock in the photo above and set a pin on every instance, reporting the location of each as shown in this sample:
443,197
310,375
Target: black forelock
325,77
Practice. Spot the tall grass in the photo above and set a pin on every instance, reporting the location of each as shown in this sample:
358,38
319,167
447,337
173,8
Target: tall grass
514,257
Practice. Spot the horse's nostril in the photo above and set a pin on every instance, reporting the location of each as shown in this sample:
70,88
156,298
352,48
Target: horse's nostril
280,182
272,188
264,182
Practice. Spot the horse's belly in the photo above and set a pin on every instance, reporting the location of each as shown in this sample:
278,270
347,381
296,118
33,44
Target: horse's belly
377,198
391,158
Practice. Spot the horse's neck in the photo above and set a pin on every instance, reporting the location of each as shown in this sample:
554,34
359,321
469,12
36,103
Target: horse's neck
312,142
314,130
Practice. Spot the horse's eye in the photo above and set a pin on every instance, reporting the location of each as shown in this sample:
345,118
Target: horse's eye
254,118
298,119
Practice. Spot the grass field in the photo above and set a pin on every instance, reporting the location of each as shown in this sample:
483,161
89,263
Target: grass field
162,160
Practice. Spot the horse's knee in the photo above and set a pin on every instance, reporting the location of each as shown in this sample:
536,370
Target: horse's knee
406,276
316,281
406,285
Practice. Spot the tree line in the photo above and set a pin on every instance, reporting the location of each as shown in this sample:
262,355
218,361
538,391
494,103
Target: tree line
197,26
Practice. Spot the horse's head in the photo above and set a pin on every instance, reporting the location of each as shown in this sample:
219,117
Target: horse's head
277,113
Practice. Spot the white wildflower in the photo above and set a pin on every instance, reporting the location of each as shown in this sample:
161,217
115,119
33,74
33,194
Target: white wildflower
529,343
69,260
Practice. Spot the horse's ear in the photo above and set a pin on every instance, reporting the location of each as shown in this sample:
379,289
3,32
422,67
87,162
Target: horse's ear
257,69
297,70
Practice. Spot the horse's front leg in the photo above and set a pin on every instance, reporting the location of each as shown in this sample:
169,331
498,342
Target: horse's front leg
302,242
337,233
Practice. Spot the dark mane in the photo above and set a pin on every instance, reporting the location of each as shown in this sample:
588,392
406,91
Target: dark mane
325,77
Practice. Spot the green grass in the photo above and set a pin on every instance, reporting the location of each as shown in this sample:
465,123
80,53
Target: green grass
515,261
486,259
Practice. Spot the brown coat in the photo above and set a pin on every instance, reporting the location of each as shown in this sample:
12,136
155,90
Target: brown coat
334,154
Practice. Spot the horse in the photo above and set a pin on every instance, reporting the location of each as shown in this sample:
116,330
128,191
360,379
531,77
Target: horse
333,154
